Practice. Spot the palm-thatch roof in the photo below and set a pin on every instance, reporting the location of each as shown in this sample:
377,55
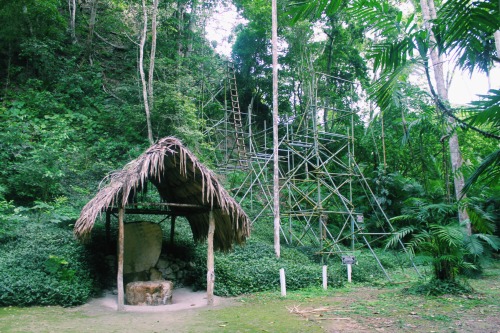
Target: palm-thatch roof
180,179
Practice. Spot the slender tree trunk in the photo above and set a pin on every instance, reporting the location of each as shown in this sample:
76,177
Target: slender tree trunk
93,14
180,26
383,139
429,13
276,185
152,55
72,19
329,79
497,41
141,71
190,29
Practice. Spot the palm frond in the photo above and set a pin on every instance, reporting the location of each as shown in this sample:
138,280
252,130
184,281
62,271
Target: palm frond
379,16
486,111
449,234
488,171
466,28
420,241
482,222
491,240
386,91
313,9
402,218
423,260
442,209
398,236
473,246
390,56
451,258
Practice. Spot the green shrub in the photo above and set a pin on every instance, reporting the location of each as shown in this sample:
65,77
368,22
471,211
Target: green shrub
255,268
45,266
437,287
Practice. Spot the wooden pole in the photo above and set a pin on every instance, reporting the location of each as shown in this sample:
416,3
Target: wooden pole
172,229
276,186
119,278
210,259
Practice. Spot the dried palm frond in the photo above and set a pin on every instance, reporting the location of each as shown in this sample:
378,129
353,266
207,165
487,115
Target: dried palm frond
180,179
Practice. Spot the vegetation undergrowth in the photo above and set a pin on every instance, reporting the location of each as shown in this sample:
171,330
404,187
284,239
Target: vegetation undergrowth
44,266
436,287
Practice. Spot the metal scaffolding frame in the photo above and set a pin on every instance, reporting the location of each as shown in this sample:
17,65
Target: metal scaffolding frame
317,173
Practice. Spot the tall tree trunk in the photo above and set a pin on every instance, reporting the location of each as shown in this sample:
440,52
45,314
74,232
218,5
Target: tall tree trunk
180,27
152,55
276,185
141,71
72,19
497,42
329,79
429,13
93,14
190,28
383,139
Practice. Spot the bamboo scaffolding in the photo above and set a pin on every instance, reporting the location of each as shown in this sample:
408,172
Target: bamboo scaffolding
317,172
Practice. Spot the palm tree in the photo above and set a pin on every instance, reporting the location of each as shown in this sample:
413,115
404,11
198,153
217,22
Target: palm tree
432,234
460,27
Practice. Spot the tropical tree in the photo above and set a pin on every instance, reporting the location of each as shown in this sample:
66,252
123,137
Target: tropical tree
432,234
415,44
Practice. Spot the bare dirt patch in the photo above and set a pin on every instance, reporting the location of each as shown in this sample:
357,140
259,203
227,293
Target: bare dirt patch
355,309
369,309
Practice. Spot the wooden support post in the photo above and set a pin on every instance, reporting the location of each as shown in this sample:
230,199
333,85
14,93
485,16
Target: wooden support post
121,238
172,229
210,259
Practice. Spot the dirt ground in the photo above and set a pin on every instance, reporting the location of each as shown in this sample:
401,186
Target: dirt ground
354,309
370,310
100,315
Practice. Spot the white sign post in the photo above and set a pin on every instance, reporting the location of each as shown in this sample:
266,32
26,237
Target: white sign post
349,261
282,282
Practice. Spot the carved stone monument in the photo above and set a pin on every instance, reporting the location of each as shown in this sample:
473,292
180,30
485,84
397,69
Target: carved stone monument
142,249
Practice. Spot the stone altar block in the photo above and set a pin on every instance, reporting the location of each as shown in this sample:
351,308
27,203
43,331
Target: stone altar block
149,292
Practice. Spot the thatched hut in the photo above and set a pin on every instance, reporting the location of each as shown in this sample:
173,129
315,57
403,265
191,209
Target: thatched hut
186,188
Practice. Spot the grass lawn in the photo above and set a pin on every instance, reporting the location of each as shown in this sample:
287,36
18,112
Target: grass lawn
355,308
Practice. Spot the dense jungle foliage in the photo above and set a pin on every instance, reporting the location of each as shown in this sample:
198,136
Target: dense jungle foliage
77,86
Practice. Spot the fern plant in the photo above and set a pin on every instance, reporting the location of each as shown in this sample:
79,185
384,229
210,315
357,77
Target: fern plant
434,236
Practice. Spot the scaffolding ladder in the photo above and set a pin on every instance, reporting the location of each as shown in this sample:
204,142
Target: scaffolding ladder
236,117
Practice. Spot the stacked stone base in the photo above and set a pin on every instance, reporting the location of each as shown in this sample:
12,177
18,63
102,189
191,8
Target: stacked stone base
149,292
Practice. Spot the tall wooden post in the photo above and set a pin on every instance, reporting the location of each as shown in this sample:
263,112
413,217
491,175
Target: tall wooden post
210,259
121,238
276,186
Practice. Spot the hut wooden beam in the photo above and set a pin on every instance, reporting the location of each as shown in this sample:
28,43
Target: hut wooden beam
210,259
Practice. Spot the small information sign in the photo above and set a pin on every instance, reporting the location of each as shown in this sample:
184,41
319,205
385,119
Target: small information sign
348,260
